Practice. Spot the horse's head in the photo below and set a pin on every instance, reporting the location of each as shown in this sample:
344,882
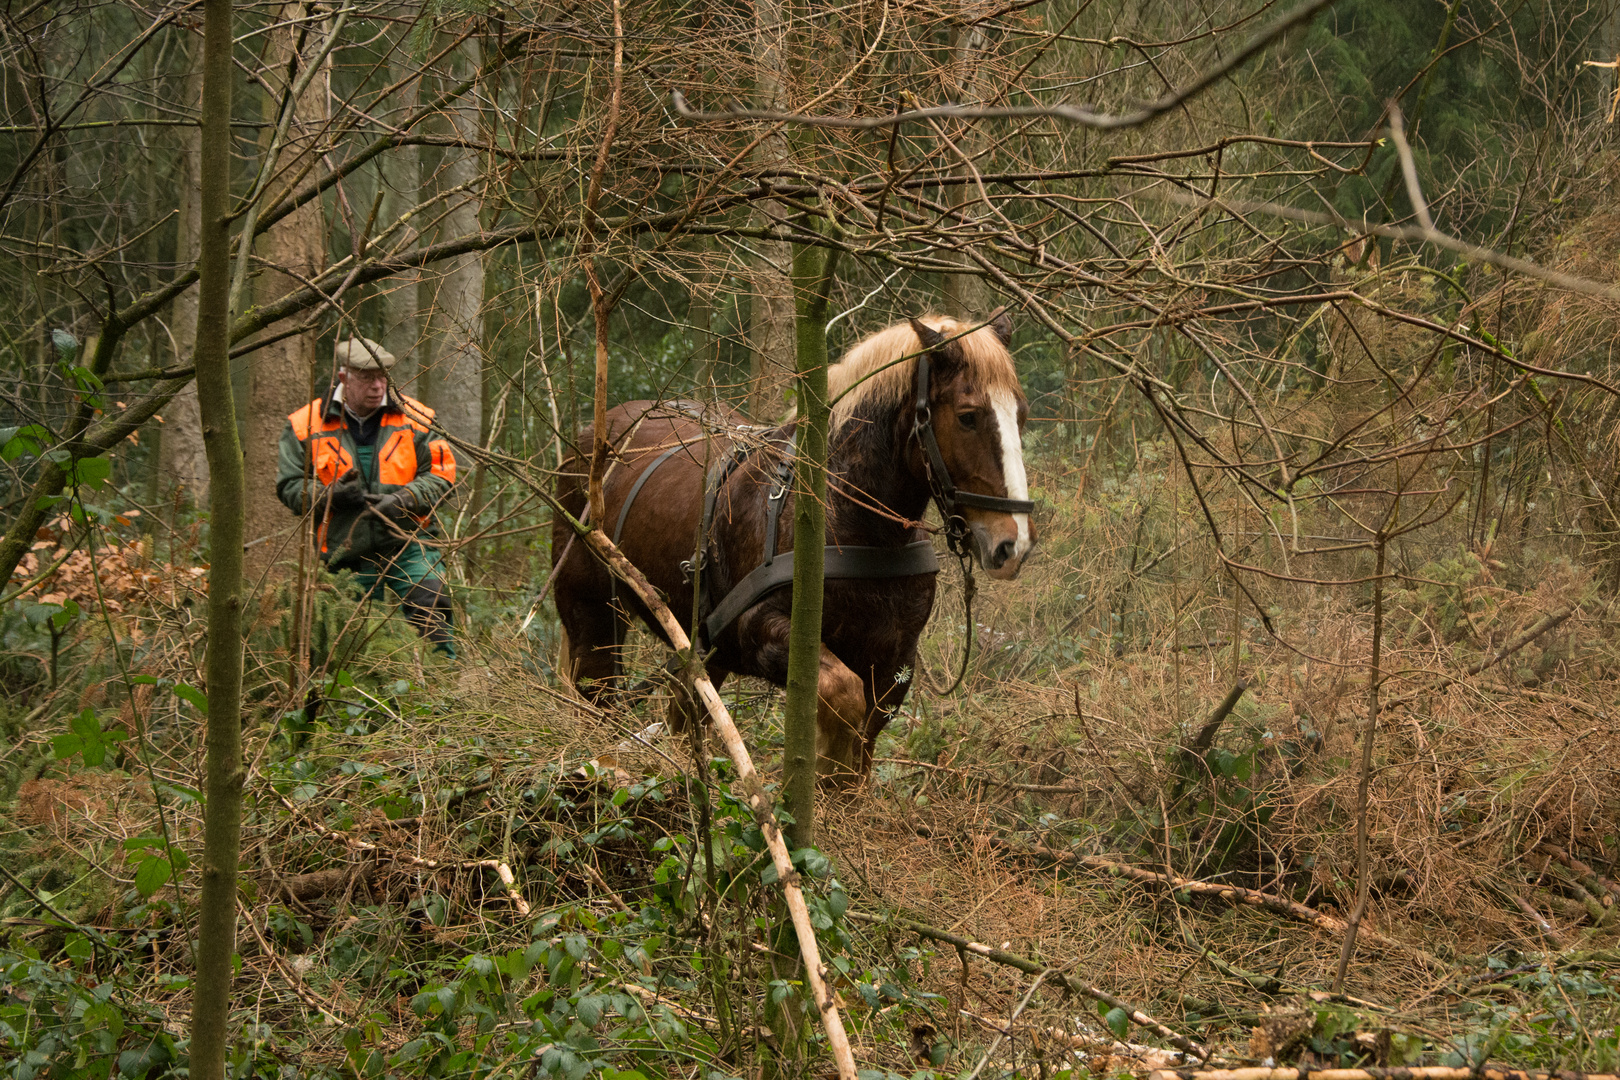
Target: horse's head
978,410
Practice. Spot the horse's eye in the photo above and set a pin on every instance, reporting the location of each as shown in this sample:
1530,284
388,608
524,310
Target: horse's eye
968,420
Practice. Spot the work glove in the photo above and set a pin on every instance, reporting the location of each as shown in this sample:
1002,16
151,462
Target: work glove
349,493
394,504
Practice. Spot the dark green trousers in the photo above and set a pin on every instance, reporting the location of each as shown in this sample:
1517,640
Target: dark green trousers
415,575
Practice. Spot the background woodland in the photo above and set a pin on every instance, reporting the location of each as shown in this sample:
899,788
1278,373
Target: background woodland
1315,308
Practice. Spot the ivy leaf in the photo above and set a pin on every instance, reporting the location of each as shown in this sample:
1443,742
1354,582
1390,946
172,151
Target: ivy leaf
589,1011
88,729
85,736
30,440
1119,1022
69,612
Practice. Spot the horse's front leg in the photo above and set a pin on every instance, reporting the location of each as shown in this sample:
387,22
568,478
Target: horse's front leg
842,756
841,709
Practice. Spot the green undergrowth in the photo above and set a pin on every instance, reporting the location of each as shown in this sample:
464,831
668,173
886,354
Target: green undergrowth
383,942
379,939
413,959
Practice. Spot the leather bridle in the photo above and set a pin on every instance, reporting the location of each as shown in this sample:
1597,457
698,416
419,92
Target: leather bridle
946,495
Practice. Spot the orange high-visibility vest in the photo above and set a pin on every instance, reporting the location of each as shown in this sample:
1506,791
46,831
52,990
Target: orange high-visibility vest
402,419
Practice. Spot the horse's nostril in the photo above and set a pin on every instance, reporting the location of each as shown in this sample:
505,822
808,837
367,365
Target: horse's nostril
999,557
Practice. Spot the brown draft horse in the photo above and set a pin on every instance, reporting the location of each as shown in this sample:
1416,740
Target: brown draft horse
882,466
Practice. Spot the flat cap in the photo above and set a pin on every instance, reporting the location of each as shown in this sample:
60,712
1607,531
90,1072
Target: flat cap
362,354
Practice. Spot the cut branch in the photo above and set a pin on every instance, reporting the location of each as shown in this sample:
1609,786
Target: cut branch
1236,894
1206,734
753,789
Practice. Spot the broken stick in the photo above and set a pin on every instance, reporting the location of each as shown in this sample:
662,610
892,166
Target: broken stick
1236,894
753,790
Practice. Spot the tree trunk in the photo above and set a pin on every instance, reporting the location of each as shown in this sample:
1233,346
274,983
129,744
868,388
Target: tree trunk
279,374
770,314
400,174
222,814
813,270
454,385
700,318
966,295
182,461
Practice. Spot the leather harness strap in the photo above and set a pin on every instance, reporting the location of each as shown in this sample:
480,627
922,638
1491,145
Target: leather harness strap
646,474
691,408
945,492
845,563
778,495
618,528
838,563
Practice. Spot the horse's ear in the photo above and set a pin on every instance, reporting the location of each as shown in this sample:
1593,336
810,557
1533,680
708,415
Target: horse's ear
1001,323
929,337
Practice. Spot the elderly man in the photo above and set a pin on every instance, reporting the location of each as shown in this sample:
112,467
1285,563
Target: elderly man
363,461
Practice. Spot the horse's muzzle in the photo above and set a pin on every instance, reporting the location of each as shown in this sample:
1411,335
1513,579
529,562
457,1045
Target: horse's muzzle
1001,545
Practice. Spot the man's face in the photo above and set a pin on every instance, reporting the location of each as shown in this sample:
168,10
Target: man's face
364,391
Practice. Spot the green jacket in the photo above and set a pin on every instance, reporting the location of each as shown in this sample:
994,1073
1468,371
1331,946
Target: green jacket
317,449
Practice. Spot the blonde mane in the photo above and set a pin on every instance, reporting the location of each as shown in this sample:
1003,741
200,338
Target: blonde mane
873,373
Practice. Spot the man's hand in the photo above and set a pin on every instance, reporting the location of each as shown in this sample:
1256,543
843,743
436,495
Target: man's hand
394,504
349,493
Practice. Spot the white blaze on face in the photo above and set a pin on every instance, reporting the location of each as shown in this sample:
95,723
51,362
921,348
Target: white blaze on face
1012,461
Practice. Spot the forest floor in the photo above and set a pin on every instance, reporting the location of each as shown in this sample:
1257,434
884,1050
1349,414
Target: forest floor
463,871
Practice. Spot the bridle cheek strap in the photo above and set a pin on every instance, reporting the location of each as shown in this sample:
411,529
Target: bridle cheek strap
946,495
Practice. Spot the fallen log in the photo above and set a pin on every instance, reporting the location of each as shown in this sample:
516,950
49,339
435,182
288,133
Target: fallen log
354,843
303,888
1595,882
1529,634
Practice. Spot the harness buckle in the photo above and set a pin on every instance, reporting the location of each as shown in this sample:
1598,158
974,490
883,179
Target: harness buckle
956,536
690,568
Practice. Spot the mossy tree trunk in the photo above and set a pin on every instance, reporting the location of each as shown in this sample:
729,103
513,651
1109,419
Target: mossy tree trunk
182,461
222,815
813,270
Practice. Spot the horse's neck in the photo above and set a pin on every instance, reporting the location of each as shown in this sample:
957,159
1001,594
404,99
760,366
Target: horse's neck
873,495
